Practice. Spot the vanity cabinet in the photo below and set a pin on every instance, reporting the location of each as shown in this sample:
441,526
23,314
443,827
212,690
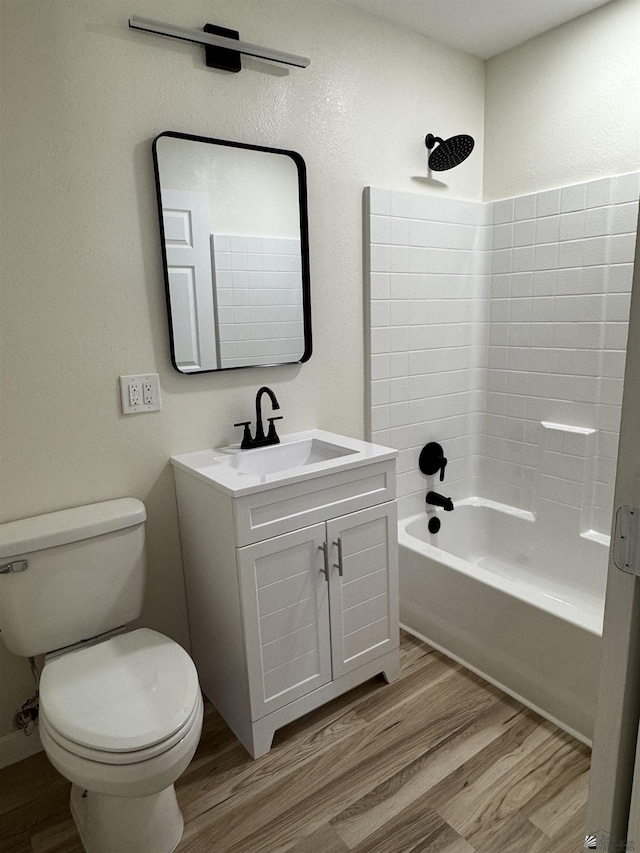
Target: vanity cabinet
292,593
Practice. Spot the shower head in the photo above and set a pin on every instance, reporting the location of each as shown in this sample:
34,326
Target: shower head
450,152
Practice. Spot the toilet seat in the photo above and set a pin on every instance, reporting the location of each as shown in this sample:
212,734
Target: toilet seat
121,701
102,756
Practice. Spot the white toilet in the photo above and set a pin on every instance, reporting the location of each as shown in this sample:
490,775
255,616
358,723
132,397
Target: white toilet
120,711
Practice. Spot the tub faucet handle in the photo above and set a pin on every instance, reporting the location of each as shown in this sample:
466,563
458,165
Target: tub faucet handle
432,459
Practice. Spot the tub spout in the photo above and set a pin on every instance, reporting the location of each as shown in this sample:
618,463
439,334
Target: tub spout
439,500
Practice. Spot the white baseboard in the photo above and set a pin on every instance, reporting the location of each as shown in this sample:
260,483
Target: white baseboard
16,746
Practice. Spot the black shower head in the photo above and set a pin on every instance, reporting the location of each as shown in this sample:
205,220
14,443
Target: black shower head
450,152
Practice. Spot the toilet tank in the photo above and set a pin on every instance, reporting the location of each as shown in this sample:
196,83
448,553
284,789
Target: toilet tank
85,575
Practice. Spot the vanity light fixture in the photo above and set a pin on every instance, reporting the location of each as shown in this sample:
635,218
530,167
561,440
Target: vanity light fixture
223,46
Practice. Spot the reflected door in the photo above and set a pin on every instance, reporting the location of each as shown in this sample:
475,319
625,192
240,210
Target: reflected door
186,228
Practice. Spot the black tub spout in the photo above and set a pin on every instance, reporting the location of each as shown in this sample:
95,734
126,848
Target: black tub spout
439,500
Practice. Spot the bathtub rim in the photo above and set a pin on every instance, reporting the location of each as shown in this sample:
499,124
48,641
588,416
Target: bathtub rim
589,619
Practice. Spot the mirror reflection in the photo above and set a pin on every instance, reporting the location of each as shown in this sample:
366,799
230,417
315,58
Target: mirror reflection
233,224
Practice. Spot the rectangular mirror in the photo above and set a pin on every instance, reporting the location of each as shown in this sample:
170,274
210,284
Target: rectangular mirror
235,246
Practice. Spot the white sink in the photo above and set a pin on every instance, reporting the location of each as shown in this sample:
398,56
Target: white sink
284,457
298,457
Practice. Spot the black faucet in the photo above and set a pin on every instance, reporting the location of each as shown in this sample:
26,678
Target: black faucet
261,440
439,500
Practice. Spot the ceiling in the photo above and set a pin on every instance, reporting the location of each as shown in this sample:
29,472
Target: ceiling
481,27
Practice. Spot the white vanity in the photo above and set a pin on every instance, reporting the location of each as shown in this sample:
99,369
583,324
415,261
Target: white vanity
291,568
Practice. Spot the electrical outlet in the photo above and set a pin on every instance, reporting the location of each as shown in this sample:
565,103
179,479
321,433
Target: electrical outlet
140,393
134,393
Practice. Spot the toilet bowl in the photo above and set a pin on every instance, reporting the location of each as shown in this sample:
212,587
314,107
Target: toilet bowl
121,720
120,710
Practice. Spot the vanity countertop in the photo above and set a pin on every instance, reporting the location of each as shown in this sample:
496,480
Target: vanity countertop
297,458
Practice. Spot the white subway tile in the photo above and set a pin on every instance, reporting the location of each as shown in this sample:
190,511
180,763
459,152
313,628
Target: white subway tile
617,307
615,336
501,261
546,256
573,198
502,236
503,211
379,285
399,284
572,225
380,313
624,218
379,201
380,229
597,221
524,233
547,229
420,260
626,188
400,204
548,203
595,251
380,258
400,230
399,312
379,418
589,335
599,192
400,259
622,248
522,259
620,278
398,414
569,282
398,339
525,207
570,254
593,279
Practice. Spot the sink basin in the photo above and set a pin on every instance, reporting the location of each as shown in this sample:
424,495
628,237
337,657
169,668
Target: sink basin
284,457
299,456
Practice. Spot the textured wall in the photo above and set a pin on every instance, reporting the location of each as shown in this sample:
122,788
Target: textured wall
563,108
83,296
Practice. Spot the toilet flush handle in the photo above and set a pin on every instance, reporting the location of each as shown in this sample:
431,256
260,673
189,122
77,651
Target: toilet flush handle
12,568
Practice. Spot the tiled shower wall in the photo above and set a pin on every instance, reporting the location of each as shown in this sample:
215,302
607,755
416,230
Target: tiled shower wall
512,357
428,282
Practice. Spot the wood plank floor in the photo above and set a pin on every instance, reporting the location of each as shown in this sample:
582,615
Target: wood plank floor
439,762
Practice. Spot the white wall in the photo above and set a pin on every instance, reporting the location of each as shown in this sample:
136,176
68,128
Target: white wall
82,287
564,107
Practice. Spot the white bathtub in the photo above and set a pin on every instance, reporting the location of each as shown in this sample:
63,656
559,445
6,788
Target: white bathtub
517,599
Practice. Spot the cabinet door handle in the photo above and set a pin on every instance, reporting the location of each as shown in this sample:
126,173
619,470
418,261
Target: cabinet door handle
325,553
339,565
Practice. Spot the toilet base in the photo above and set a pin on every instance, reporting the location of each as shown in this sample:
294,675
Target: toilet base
134,824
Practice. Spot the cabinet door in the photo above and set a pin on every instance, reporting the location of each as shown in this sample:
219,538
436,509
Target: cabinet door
364,600
285,611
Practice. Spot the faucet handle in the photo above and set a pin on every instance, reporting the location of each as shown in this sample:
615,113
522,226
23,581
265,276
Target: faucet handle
246,436
272,435
432,459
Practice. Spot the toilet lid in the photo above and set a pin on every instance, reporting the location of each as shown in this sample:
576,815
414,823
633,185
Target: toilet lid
126,693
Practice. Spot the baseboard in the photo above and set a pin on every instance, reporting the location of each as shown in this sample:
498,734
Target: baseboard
16,746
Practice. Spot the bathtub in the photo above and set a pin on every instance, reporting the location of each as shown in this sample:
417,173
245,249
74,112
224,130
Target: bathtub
517,598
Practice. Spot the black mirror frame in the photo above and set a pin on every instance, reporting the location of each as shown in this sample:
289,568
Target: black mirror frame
304,245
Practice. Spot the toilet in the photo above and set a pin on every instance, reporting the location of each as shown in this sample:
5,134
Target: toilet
120,710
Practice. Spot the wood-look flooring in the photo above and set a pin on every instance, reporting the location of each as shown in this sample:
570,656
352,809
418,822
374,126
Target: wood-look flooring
438,762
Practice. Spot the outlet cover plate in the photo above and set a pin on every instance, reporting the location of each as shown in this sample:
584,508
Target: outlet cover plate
148,385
